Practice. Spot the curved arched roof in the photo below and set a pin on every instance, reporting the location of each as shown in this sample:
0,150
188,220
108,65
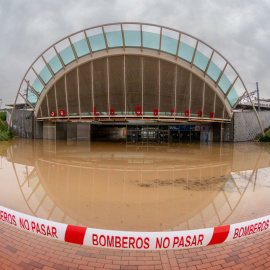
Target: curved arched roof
137,39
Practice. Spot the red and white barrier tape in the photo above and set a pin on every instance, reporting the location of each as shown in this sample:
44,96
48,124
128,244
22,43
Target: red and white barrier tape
133,240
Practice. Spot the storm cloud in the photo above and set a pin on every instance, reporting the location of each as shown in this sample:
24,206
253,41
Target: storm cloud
237,29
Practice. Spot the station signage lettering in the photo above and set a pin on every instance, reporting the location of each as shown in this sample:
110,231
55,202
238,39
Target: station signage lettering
144,243
250,229
29,225
138,111
8,218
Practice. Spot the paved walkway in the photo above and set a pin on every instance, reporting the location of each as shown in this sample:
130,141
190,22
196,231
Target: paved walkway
22,250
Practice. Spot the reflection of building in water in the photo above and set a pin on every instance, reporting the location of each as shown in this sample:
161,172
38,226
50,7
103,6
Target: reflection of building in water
131,189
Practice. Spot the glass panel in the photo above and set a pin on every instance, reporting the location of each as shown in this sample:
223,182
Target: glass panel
132,38
224,83
38,86
55,64
213,71
200,61
185,51
114,39
45,75
233,97
169,45
151,40
32,98
97,42
67,55
81,47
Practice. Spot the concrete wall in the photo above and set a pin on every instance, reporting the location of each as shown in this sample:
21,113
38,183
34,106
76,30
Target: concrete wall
22,123
49,131
228,132
246,126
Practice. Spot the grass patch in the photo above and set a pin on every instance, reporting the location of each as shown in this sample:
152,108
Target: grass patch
5,134
266,138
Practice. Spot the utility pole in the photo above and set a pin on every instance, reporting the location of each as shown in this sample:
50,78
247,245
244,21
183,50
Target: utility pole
26,95
258,96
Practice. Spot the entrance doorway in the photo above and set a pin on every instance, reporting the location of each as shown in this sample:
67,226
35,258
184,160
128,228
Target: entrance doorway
149,134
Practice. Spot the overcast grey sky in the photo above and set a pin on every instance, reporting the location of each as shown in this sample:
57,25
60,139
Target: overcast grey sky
240,30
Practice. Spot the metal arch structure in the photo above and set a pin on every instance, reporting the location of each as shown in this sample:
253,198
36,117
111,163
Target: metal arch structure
133,39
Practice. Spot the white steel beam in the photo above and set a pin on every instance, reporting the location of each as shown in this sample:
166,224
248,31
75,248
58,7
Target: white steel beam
160,40
108,86
215,99
178,44
158,86
193,57
203,101
48,66
88,43
49,115
142,85
104,35
190,86
175,89
41,80
73,49
92,80
220,75
56,100
33,90
141,37
60,58
208,64
27,101
229,90
123,37
125,87
66,95
78,85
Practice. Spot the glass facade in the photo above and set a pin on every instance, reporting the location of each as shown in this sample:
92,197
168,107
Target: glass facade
118,92
132,86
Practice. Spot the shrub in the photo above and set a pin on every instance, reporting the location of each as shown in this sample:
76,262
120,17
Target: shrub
3,116
266,138
5,134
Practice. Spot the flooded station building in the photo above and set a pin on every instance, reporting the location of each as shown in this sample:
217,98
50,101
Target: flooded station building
142,82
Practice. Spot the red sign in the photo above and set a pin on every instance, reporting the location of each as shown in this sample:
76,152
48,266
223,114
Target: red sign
138,111
62,113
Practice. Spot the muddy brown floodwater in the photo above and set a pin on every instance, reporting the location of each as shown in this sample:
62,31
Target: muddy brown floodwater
136,187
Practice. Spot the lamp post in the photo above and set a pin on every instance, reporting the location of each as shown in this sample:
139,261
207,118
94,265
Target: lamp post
258,97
